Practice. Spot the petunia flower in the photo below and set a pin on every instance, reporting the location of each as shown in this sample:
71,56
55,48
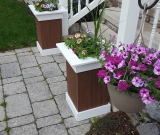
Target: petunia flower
123,85
106,79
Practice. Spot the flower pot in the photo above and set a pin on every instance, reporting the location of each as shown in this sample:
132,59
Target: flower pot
50,26
86,97
125,102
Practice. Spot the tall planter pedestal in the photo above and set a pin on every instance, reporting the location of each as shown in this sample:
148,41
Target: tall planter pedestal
86,97
50,26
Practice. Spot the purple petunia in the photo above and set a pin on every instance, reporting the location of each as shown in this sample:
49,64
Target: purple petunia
106,79
148,100
130,47
137,82
121,64
135,57
103,54
144,92
101,73
123,85
142,67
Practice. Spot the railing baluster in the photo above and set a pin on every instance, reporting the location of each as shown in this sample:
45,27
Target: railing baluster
159,47
71,9
154,25
79,6
87,2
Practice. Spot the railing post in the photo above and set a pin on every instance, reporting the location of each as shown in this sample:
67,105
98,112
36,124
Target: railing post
128,21
64,3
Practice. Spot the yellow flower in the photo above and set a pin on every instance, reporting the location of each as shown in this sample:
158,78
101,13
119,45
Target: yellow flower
79,41
83,36
77,35
84,52
42,5
37,4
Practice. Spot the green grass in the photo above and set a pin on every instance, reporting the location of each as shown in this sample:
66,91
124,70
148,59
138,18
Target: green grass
17,25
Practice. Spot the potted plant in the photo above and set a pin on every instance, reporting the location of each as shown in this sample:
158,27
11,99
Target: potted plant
86,97
132,76
51,21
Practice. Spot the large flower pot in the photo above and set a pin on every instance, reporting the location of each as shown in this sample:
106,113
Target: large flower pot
125,102
86,97
51,26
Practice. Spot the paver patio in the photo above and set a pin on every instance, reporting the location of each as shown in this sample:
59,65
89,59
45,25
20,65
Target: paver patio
34,89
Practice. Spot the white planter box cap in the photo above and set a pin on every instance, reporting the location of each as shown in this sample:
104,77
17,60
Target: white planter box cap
78,65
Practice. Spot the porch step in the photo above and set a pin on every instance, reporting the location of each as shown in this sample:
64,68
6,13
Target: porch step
104,27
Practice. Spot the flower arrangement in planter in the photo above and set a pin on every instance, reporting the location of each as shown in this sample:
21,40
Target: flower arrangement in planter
45,5
132,70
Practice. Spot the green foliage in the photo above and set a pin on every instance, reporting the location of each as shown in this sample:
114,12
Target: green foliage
143,119
95,119
7,129
40,5
3,104
17,25
5,118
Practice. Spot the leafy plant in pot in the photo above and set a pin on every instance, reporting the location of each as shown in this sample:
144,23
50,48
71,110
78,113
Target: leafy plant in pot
45,5
132,76
85,44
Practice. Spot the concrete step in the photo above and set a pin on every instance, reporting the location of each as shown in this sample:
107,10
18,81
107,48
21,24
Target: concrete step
104,27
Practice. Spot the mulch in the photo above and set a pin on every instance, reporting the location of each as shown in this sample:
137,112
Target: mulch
114,123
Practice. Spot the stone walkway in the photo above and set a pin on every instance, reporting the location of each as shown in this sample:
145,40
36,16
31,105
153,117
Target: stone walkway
33,88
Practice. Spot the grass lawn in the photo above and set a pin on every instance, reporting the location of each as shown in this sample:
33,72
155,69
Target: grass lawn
17,25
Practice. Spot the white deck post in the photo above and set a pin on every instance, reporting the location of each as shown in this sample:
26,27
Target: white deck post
128,21
64,3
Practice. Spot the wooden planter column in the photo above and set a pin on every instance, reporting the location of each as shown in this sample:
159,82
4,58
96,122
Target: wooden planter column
50,27
86,97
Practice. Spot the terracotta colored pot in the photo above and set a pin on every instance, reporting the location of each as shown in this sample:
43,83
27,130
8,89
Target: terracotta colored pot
125,102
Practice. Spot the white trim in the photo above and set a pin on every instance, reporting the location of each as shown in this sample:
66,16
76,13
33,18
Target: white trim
78,65
47,51
88,113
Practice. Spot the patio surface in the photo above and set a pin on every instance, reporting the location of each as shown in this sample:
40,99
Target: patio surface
34,89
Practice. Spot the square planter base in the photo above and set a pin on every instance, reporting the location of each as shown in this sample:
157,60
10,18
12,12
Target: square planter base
87,113
47,51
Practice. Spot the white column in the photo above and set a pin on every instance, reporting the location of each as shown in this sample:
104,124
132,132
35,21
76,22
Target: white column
64,3
128,21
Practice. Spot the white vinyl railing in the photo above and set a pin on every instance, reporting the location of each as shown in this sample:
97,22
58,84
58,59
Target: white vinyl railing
81,12
129,21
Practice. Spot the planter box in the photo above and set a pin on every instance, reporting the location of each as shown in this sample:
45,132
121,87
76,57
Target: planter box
86,97
51,26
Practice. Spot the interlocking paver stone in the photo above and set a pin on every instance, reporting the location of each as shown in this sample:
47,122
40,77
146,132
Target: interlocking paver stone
56,129
27,61
44,59
24,54
14,88
80,130
63,66
31,72
44,108
12,80
58,87
2,113
24,130
47,121
37,55
50,70
55,79
2,125
18,105
1,95
65,74
34,49
39,91
19,121
153,110
65,111
3,133
8,59
23,50
59,58
7,53
148,129
10,70
33,80
72,122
